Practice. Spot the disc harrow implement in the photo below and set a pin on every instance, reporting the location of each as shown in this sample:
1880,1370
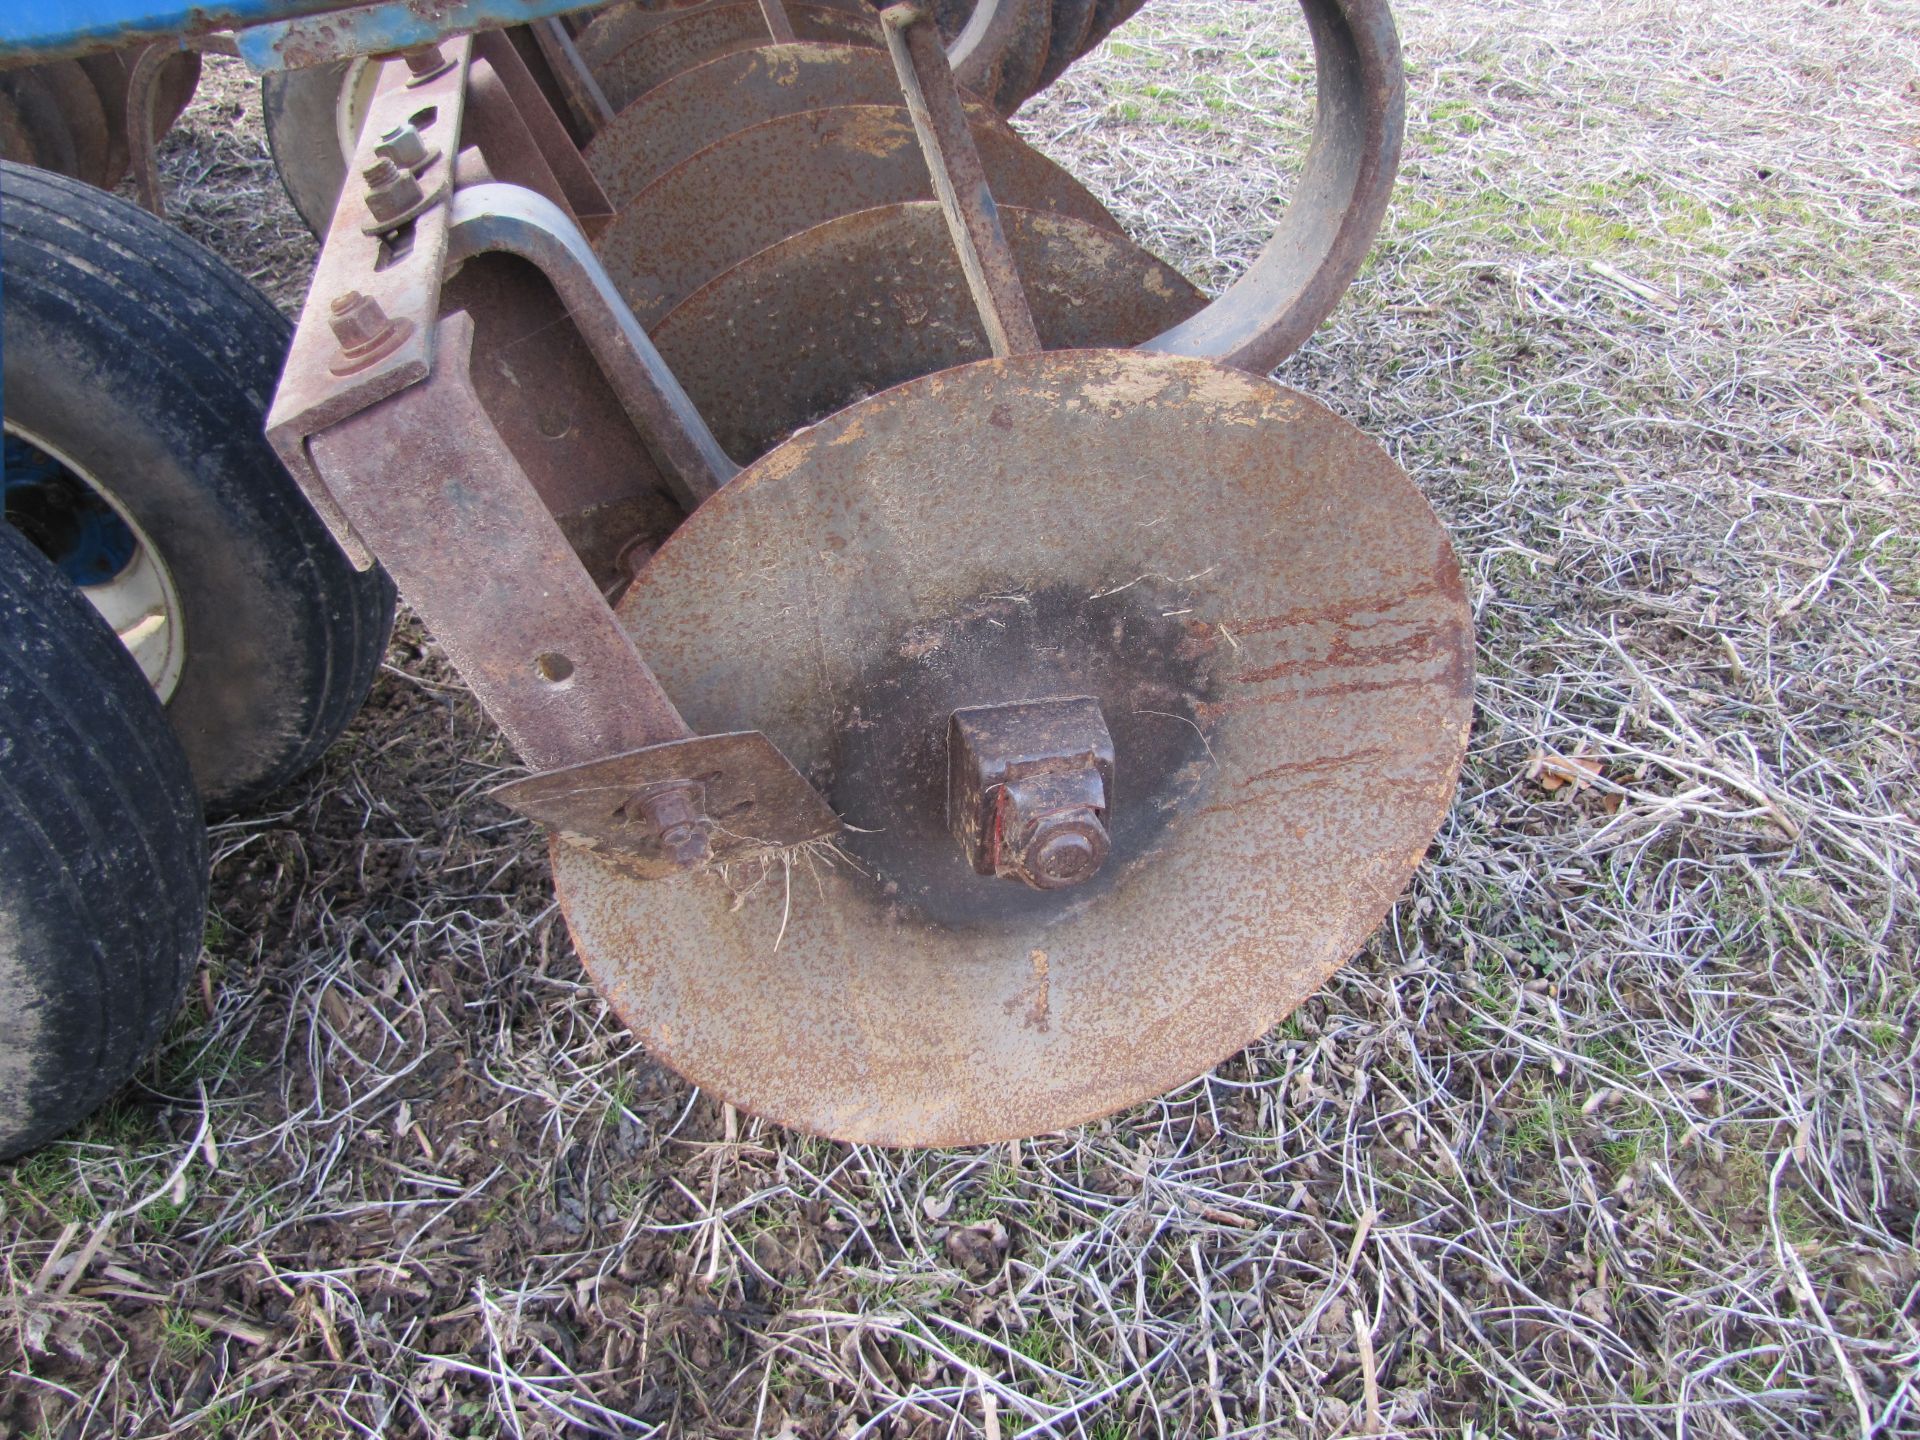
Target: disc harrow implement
964,693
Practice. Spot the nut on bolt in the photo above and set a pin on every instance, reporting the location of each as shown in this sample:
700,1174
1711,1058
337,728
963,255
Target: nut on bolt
675,813
365,331
393,195
424,63
1052,828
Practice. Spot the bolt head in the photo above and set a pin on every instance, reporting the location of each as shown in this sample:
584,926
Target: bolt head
403,147
676,815
685,846
425,61
1064,850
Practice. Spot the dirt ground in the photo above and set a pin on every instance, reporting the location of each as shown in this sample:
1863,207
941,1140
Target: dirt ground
1611,1130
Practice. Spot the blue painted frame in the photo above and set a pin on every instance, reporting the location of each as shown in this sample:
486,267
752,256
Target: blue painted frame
272,34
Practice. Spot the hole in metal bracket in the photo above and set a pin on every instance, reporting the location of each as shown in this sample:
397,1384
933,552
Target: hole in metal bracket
394,248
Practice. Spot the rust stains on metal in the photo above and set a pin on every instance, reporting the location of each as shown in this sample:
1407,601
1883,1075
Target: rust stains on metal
959,181
848,308
1284,745
758,186
628,71
697,107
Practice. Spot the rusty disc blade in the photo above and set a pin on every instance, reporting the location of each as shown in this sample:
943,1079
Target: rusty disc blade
630,71
683,115
755,188
108,73
1273,623
613,29
16,136
61,117
1108,16
836,313
1072,23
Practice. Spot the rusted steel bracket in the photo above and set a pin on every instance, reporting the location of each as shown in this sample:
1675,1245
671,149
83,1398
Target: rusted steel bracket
959,179
399,273
478,555
746,797
517,221
585,98
382,418
510,121
995,34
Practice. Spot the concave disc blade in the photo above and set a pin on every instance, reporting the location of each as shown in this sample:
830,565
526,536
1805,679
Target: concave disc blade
615,28
61,118
684,115
1072,21
108,73
1108,16
1273,623
755,188
629,72
848,308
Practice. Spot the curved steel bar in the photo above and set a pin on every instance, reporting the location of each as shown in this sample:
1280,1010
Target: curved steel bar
998,53
518,221
1359,120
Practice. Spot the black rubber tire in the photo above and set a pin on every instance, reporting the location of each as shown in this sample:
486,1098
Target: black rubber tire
103,857
299,107
149,364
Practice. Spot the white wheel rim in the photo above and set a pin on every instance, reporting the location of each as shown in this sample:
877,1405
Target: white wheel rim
350,110
141,603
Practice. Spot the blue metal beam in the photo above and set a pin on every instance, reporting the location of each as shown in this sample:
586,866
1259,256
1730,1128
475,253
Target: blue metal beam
47,29
381,29
272,34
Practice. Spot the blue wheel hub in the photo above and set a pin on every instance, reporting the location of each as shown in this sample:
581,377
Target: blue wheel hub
70,523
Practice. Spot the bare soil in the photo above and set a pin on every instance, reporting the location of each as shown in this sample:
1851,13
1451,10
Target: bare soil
1612,1128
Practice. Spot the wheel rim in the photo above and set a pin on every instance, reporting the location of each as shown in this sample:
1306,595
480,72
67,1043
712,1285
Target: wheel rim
78,524
356,97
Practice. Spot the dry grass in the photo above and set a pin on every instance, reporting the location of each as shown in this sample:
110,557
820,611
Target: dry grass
1612,1130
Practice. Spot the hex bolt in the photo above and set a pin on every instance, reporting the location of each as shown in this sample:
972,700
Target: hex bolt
404,147
365,331
425,62
392,193
1064,850
358,321
683,836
